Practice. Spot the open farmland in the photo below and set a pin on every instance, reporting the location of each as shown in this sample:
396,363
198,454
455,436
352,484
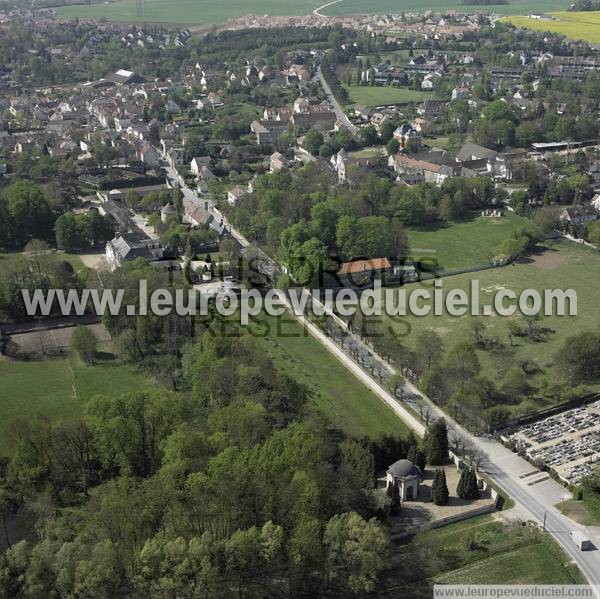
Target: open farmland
394,6
556,266
207,12
575,25
201,12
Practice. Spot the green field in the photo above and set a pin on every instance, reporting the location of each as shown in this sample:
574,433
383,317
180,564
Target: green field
394,6
7,259
381,95
202,12
462,244
575,25
57,389
480,550
335,393
562,265
207,12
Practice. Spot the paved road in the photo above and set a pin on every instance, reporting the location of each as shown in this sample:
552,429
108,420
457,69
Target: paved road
502,466
318,10
341,115
218,221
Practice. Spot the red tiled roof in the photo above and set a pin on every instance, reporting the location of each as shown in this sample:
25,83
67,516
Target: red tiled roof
357,266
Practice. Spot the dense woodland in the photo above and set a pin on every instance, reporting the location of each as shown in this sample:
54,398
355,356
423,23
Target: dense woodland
229,486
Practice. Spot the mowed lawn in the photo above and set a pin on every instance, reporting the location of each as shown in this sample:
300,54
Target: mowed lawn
480,550
462,244
8,259
561,265
339,396
379,95
56,389
574,25
202,12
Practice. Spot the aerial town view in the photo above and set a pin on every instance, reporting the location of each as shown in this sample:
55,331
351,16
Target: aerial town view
299,299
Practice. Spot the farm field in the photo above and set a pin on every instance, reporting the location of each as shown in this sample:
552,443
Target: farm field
575,25
559,265
462,244
202,12
335,393
208,12
380,95
396,6
57,389
480,550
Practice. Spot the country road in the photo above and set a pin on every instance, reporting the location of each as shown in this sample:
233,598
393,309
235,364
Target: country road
318,10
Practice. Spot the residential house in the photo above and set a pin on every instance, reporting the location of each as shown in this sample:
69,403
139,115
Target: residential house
198,162
204,177
576,216
148,155
130,246
408,136
358,273
431,172
277,161
234,194
322,120
267,132
343,165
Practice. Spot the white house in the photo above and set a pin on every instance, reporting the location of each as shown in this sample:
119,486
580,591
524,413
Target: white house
234,194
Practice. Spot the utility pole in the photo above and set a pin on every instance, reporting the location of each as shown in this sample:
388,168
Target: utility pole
545,514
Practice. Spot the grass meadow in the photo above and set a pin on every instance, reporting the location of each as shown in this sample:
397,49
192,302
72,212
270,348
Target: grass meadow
57,389
559,265
574,25
208,12
200,12
482,550
384,94
335,393
465,243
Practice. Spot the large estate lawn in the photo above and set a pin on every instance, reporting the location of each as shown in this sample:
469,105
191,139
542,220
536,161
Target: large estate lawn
463,244
575,25
56,389
560,265
379,95
480,550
